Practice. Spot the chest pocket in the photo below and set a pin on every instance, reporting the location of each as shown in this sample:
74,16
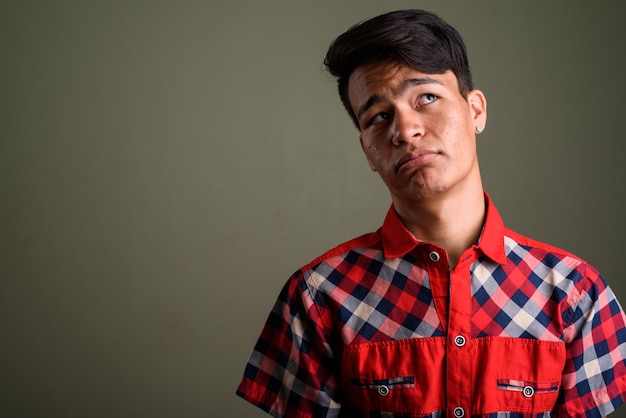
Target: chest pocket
402,378
517,375
407,378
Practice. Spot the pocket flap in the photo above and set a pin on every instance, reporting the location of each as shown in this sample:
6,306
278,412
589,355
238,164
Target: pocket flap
527,388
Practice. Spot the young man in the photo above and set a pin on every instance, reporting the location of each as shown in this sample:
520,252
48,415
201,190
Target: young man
442,312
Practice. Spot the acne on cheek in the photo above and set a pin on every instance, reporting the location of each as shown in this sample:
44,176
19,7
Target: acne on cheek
373,156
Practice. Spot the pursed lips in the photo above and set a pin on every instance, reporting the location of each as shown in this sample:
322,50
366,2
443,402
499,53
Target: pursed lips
414,159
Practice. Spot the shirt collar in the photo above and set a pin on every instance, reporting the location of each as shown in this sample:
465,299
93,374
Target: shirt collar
398,240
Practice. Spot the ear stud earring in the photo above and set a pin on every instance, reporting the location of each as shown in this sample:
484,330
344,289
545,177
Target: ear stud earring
479,129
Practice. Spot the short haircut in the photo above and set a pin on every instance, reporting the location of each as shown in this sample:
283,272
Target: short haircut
416,38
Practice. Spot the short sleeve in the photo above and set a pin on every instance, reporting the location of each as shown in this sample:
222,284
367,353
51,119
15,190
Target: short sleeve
594,379
292,369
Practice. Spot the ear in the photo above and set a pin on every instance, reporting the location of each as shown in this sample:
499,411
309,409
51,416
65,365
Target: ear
369,162
478,107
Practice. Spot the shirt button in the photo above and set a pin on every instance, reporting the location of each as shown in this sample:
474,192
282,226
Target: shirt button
528,391
434,256
383,390
459,412
459,341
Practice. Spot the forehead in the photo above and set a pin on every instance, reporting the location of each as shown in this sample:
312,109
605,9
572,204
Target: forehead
388,80
378,73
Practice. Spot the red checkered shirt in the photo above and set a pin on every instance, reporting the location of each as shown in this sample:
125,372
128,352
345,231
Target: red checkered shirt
380,327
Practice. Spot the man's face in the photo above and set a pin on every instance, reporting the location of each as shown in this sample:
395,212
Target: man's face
417,130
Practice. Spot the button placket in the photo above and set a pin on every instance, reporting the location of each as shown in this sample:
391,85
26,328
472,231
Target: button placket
458,412
459,341
460,351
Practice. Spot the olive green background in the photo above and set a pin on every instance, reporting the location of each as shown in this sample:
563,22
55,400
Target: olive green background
166,165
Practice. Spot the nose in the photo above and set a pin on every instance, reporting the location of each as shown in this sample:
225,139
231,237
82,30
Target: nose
408,126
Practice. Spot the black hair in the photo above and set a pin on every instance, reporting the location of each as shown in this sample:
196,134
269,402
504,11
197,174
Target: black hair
416,38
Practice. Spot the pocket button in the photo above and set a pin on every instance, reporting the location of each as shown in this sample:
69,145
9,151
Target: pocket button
383,390
528,391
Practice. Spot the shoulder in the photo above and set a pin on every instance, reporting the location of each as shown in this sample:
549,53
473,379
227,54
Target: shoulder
325,273
513,239
542,256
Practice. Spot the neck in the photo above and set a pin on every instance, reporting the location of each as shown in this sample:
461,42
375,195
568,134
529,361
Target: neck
451,222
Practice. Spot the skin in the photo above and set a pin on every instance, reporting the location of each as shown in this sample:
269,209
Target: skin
419,134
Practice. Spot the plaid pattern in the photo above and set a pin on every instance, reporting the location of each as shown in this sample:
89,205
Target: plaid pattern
387,286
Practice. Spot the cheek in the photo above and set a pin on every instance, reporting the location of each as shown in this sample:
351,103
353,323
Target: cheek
368,146
374,155
453,123
377,148
458,130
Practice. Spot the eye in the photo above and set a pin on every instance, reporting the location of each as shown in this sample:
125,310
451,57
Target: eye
378,118
426,99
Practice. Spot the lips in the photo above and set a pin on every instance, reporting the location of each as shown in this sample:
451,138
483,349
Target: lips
414,159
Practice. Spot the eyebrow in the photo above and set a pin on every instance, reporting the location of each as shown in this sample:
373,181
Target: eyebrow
404,86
